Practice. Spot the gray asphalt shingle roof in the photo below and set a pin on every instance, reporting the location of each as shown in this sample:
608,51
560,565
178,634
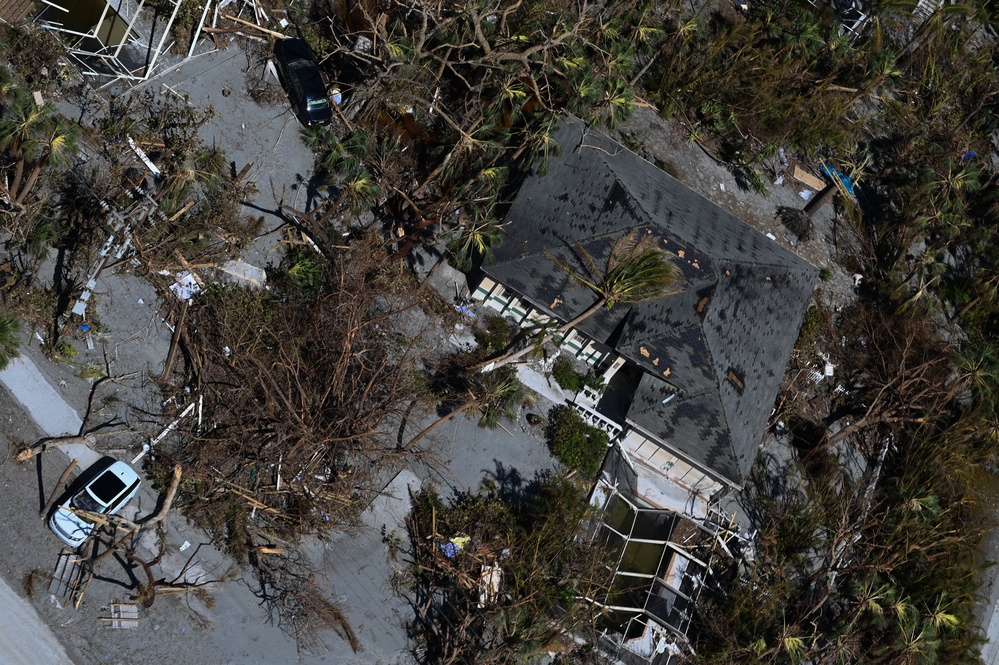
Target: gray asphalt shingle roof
725,361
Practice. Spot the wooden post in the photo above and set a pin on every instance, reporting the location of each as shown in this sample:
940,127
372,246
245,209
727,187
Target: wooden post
820,200
180,212
252,25
242,174
168,366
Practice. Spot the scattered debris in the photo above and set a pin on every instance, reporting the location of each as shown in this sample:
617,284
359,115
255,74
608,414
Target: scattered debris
186,285
67,574
842,182
146,447
455,545
489,584
143,156
123,616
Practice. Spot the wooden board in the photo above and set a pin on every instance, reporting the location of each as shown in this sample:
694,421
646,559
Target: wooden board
807,179
66,575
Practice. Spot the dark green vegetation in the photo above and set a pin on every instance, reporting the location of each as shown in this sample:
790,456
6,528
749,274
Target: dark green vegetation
575,443
10,327
878,566
546,574
568,378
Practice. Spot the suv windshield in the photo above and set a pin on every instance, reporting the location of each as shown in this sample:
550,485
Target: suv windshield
316,104
83,501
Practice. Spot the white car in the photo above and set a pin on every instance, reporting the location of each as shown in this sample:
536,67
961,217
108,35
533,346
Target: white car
114,485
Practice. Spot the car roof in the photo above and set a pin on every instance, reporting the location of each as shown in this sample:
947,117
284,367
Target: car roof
311,80
115,479
293,49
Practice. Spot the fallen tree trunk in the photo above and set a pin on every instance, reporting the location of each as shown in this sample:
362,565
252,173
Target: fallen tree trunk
132,527
28,452
55,489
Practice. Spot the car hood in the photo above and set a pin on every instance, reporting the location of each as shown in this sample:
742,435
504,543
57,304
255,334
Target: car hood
70,527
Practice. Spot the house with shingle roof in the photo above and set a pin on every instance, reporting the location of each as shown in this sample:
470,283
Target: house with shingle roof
691,377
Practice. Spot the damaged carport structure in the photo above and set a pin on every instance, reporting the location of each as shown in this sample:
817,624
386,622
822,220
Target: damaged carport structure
109,38
660,559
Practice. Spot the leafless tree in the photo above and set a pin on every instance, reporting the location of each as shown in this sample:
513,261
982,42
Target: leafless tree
899,372
297,396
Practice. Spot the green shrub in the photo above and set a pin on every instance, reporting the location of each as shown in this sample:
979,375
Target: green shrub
301,272
66,350
810,327
568,378
565,376
575,443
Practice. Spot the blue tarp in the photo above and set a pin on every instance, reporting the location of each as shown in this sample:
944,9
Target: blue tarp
833,173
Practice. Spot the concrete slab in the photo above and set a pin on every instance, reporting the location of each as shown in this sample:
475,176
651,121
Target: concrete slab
465,457
39,398
245,273
361,566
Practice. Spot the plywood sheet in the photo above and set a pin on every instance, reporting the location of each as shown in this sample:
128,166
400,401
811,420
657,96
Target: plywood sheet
807,179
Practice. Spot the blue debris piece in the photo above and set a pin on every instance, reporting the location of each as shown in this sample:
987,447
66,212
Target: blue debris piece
833,173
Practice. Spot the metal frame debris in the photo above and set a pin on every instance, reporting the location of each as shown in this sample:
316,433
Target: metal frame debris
101,50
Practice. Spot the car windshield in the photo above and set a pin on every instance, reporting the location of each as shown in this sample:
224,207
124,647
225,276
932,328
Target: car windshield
83,501
107,486
317,104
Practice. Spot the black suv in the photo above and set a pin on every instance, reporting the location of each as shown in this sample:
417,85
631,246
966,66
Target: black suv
304,82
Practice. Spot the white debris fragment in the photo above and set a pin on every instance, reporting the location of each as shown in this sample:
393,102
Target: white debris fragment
363,44
186,285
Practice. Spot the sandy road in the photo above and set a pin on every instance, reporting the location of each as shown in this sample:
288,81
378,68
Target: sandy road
24,638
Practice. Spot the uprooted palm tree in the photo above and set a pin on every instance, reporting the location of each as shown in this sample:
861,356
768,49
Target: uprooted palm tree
36,137
636,270
473,242
494,395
